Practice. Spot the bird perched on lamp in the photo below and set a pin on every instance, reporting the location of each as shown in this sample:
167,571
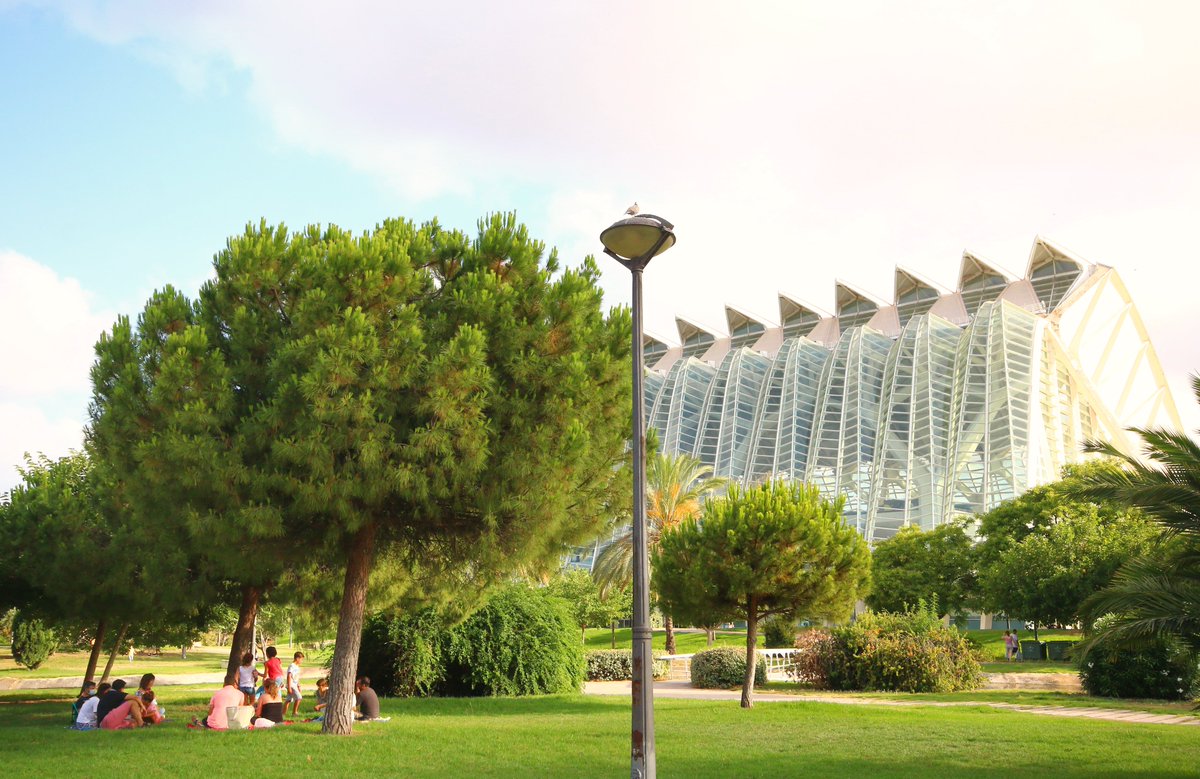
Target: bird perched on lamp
633,210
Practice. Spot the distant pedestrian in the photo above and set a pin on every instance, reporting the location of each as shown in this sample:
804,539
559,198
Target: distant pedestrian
1016,642
1008,646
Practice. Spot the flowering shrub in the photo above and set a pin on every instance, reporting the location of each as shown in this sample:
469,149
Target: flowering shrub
1158,670
724,668
910,651
612,665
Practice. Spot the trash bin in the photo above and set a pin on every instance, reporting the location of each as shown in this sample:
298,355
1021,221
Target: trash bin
1032,650
1058,650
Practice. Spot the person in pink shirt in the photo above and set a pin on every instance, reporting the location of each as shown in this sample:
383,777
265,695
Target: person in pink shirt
229,695
129,714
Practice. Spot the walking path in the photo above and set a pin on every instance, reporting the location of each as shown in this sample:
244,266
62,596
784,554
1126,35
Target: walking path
684,690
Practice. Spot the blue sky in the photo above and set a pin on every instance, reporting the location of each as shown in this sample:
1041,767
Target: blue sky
790,142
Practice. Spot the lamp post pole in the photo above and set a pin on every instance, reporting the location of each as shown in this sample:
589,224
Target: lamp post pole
634,242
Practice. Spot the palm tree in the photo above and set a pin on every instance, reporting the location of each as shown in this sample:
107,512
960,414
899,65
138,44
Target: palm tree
1157,596
676,485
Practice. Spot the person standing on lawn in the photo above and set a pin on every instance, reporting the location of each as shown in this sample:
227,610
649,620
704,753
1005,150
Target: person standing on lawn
274,667
1008,646
293,683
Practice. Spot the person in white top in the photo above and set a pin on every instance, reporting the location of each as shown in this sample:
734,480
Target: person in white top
293,683
247,675
86,719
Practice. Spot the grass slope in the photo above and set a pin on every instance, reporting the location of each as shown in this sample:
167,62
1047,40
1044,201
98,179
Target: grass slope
569,736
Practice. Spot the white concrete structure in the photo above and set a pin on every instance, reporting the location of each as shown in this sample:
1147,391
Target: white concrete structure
936,404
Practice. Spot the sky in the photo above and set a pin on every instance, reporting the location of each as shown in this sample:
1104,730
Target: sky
791,144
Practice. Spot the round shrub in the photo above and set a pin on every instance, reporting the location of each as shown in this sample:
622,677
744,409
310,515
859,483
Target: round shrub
32,642
614,665
724,668
906,652
1158,670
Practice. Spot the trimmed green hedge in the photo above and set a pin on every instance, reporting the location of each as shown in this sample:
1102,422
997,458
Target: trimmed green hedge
724,667
614,665
522,642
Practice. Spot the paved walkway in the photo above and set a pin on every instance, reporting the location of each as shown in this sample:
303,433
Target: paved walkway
684,690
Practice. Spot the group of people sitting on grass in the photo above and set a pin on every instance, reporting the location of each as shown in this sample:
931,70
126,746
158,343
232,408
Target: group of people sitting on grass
111,708
270,699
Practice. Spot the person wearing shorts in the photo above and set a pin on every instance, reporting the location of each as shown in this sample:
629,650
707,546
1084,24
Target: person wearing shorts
293,683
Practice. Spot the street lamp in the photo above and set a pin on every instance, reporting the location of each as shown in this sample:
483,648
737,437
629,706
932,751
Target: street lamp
633,242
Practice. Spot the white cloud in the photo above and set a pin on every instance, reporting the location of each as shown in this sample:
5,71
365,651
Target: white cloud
51,326
26,429
791,143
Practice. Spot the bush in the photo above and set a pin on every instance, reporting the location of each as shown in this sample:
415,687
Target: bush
808,666
779,632
1158,670
614,665
522,642
911,651
724,668
403,655
32,642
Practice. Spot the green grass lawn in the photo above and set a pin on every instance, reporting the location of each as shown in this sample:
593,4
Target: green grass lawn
1020,697
685,643
569,736
200,660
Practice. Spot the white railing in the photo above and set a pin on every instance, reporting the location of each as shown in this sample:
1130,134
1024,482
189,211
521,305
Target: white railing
776,660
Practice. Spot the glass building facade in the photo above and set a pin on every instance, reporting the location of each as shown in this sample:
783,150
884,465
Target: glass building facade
937,404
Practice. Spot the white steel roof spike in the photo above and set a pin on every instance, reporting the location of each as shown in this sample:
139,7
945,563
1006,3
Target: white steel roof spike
688,328
907,279
790,304
973,265
649,339
1045,250
844,293
736,317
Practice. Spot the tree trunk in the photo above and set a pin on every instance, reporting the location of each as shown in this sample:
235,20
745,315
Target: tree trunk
243,634
614,634
183,652
751,644
94,658
711,635
339,715
112,656
670,628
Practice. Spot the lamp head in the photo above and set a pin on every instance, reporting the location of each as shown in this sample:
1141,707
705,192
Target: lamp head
636,239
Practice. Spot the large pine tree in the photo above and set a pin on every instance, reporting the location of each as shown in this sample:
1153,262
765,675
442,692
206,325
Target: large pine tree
426,409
